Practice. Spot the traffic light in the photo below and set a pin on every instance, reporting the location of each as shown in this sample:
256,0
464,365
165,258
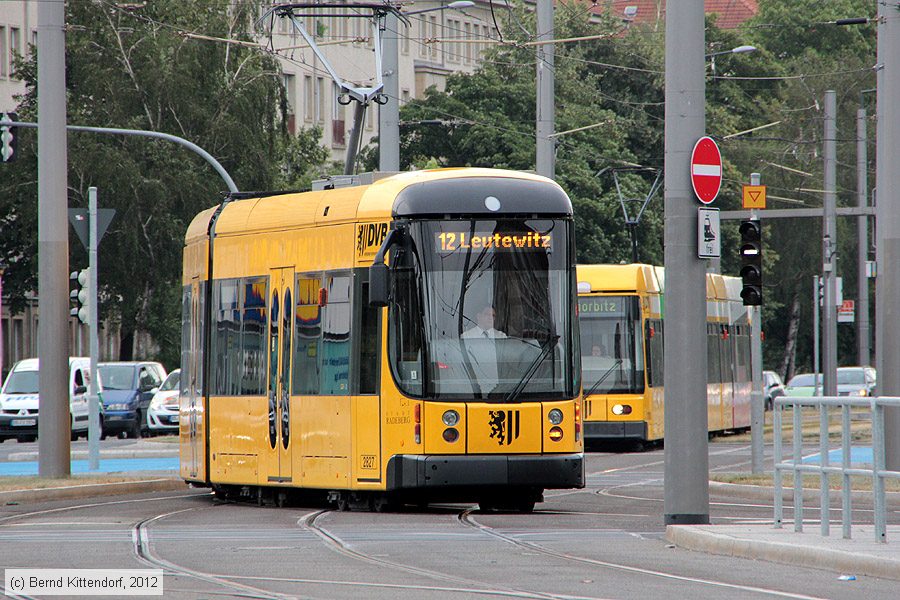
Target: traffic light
80,295
751,262
8,137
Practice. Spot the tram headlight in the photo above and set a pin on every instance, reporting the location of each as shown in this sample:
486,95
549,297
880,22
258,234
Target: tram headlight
555,416
450,418
621,409
451,435
556,433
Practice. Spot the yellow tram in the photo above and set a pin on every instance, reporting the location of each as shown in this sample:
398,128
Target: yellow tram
450,373
621,312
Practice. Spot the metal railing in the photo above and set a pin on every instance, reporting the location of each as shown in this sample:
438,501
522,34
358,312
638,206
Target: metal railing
796,466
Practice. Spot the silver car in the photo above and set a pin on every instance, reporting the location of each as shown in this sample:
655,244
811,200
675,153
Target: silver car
162,415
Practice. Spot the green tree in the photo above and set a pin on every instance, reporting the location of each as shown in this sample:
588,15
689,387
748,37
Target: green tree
814,55
135,68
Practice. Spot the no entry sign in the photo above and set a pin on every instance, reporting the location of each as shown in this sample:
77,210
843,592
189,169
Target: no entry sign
706,169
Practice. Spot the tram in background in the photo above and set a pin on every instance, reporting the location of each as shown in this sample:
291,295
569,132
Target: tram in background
622,321
450,373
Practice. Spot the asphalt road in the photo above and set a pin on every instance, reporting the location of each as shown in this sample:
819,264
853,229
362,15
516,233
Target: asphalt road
605,541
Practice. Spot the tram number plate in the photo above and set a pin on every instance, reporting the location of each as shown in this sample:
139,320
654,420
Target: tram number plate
23,422
368,461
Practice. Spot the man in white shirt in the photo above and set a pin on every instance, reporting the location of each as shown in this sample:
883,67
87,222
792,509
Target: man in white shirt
484,327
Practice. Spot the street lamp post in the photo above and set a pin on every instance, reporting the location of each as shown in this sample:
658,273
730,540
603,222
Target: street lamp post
738,50
389,113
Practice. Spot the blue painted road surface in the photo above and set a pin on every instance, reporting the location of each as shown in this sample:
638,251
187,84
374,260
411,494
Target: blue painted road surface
859,456
107,465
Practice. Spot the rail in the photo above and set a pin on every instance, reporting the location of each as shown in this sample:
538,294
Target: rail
796,466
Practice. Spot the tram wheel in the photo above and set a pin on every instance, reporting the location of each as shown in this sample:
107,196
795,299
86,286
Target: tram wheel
382,503
343,502
525,506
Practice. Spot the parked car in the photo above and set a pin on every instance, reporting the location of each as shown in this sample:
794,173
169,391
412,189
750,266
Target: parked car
803,384
19,400
164,410
129,387
851,381
773,387
856,381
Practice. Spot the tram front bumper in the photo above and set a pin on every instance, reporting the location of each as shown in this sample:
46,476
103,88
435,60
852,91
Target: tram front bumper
554,471
615,430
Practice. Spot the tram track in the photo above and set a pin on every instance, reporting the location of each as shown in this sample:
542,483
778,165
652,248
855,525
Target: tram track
141,547
144,554
465,517
475,587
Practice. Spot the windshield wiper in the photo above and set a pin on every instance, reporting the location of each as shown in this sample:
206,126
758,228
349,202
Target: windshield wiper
617,362
546,347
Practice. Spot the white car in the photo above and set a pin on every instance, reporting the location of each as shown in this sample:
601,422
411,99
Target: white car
163,413
19,400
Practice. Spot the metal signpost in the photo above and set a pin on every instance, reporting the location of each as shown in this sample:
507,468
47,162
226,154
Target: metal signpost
754,198
90,233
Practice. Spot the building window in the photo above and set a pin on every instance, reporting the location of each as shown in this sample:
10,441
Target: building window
337,118
468,47
404,96
423,35
320,99
404,40
15,47
433,33
4,52
290,92
451,32
309,98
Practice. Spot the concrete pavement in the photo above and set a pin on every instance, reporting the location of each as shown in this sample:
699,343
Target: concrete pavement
860,555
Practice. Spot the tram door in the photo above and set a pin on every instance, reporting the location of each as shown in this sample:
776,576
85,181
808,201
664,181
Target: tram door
281,298
191,402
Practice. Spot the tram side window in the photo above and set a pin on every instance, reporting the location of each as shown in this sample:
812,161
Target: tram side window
742,353
199,330
185,338
227,339
253,337
655,332
307,336
335,365
405,339
727,356
713,353
367,342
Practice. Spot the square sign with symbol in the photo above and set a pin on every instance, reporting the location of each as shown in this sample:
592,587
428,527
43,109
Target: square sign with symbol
753,196
709,238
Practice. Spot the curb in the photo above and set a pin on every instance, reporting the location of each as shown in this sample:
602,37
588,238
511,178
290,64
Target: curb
692,537
91,490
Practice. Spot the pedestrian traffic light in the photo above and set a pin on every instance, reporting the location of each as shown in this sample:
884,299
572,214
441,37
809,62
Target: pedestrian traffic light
751,262
8,137
80,295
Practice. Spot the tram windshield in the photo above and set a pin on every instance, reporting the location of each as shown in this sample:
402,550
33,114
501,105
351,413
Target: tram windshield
612,358
482,310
